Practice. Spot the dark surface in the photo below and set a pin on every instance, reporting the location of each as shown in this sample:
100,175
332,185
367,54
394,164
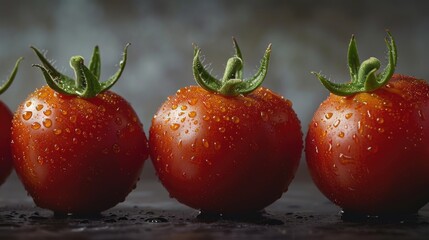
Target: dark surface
148,213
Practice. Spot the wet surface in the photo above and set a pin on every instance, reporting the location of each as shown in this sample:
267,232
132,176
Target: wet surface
149,213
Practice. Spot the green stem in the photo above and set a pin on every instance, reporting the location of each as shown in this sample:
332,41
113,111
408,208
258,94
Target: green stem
363,75
11,77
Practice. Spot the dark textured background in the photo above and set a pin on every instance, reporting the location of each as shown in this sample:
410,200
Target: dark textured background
306,36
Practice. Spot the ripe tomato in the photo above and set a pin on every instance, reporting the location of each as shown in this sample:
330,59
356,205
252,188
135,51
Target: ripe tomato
368,151
5,125
76,154
225,153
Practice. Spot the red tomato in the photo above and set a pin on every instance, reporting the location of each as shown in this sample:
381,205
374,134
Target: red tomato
5,154
77,155
368,151
225,154
5,125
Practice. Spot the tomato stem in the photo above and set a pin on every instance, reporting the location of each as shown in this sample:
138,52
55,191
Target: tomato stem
232,83
11,77
363,75
87,80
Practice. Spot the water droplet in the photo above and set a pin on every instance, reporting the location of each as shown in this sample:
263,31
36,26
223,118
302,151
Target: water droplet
39,107
116,148
174,107
56,147
341,134
27,115
380,130
222,129
47,112
207,104
368,113
380,120
349,115
235,119
183,119
183,107
63,112
57,131
206,117
78,131
421,115
216,118
181,113
355,138
73,119
174,126
205,143
360,129
337,123
264,116
328,115
35,125
195,122
315,124
217,145
47,123
372,149
193,101
118,121
345,159
222,109
247,103
27,104
179,144
192,114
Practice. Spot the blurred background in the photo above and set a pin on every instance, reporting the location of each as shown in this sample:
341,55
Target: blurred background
306,36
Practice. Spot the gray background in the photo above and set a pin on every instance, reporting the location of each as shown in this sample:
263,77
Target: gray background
306,36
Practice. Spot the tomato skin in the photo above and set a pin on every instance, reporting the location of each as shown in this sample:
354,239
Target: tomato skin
225,154
368,153
5,152
77,155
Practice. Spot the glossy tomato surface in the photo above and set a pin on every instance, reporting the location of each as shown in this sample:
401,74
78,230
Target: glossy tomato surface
226,154
369,152
5,152
77,155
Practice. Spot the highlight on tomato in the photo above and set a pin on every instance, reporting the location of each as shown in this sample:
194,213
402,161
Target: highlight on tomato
5,125
78,147
367,144
227,146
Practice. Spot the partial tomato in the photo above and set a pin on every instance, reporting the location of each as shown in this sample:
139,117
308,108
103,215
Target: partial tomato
226,146
5,125
367,145
78,154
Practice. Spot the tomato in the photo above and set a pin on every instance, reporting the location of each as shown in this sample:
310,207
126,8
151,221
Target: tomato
367,151
226,152
5,125
77,154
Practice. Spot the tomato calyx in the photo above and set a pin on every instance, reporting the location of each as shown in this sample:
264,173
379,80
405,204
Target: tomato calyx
232,82
11,77
87,80
363,75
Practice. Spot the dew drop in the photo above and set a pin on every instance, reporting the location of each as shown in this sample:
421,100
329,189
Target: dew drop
27,104
349,115
360,129
315,124
328,115
174,107
73,119
206,118
217,145
35,125
63,112
337,123
39,107
78,131
174,126
372,149
380,130
341,134
27,115
179,144
57,131
192,114
222,109
183,107
235,119
47,123
421,115
380,120
47,112
116,148
222,129
193,101
345,159
247,103
118,121
205,143
183,119
216,118
264,116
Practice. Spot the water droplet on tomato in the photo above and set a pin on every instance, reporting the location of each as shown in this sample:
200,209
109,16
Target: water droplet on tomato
174,126
116,148
27,115
35,125
183,107
193,101
217,145
380,120
47,123
337,123
222,109
368,113
118,121
179,144
192,114
205,143
222,129
380,130
421,115
328,115
315,124
341,134
57,131
348,115
354,137
39,107
264,116
56,147
206,117
27,104
235,119
372,149
47,112
73,119
360,129
247,103
183,119
346,159
174,107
